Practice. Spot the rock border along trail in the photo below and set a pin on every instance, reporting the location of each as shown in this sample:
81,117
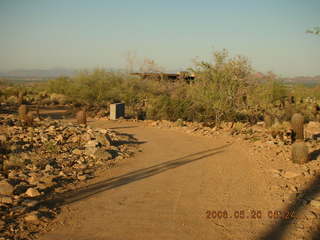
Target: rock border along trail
172,190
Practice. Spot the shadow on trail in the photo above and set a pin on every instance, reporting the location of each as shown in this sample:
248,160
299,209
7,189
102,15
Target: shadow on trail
123,127
279,230
316,234
86,192
130,139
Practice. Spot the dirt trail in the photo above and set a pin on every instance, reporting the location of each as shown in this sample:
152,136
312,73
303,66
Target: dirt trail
164,192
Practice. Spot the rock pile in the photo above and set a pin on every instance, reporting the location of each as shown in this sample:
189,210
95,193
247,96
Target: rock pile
37,162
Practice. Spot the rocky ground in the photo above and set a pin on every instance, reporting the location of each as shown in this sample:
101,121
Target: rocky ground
51,157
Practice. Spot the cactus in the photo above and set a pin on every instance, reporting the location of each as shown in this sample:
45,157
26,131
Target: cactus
22,111
20,100
245,99
276,121
38,111
3,140
20,96
315,110
297,124
82,117
292,99
282,103
267,120
300,152
288,112
28,120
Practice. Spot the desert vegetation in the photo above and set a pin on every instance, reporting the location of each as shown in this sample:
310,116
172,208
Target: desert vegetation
226,89
40,157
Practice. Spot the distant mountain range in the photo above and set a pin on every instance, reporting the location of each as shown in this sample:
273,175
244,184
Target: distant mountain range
38,73
42,74
303,80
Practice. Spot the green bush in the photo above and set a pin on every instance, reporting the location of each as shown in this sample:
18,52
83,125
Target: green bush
223,90
219,87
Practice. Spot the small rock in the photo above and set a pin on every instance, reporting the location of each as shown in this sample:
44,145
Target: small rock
90,151
82,177
6,200
315,203
75,139
81,166
31,192
101,154
59,138
3,138
30,203
275,172
260,123
33,180
294,188
42,186
47,180
25,156
32,217
102,139
6,188
92,144
48,168
288,174
77,151
12,174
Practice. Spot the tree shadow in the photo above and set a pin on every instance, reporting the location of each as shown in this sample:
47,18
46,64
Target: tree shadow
130,139
123,127
316,234
57,115
88,191
279,230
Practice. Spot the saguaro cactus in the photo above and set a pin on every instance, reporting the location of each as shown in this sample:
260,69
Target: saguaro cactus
29,119
300,152
288,112
20,96
38,111
267,120
315,110
82,117
22,111
297,124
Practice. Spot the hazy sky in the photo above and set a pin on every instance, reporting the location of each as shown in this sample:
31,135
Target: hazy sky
100,33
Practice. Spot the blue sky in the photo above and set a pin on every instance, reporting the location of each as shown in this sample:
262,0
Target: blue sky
85,34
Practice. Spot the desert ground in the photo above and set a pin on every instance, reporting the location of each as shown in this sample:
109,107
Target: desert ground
184,181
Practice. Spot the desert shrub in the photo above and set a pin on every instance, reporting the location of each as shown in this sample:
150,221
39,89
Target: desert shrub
166,108
220,86
59,85
223,90
58,98
94,87
268,93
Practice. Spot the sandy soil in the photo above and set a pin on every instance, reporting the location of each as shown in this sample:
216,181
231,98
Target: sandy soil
173,189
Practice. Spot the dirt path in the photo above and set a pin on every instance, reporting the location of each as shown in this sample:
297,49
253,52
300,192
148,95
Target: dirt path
165,191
